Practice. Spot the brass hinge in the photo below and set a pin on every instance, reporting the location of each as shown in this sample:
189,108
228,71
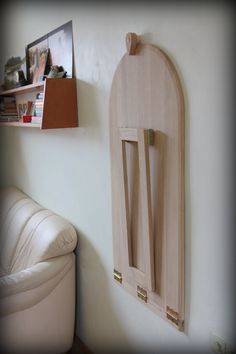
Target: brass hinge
151,136
142,293
117,276
173,316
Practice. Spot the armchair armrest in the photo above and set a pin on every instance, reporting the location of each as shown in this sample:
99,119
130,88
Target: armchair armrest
24,289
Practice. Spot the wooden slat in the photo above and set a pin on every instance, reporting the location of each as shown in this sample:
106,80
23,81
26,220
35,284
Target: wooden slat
21,125
140,136
128,134
146,206
23,89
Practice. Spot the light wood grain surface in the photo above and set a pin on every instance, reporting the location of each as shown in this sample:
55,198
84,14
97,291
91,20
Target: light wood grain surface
146,94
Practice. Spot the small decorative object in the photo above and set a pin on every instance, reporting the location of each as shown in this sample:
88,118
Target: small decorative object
24,108
21,78
26,118
13,75
56,72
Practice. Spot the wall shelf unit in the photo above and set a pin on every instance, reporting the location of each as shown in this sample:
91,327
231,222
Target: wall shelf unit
59,103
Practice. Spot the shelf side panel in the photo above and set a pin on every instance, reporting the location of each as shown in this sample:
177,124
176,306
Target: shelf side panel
60,104
23,89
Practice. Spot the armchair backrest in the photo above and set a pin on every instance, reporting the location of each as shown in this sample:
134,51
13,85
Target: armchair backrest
30,233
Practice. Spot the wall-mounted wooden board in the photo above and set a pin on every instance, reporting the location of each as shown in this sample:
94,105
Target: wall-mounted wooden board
148,180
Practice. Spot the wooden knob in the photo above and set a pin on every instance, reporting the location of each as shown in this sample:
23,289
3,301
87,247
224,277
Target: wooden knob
132,40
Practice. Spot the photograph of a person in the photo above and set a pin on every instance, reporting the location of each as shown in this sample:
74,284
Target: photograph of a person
38,56
41,65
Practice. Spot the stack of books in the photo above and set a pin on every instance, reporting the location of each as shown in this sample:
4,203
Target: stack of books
8,109
38,108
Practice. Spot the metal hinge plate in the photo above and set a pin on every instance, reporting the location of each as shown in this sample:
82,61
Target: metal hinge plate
142,293
173,316
117,276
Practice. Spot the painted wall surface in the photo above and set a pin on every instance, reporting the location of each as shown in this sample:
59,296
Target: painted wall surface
68,170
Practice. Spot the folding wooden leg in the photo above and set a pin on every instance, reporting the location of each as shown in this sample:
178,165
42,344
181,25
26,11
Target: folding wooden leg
140,136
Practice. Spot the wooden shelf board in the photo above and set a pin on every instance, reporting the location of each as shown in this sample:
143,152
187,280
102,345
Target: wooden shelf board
23,89
19,124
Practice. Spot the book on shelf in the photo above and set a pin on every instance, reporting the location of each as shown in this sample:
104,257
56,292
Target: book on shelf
11,103
38,105
38,113
8,109
40,96
8,114
7,99
36,120
8,104
6,118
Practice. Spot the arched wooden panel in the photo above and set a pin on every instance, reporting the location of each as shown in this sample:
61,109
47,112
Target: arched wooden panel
147,171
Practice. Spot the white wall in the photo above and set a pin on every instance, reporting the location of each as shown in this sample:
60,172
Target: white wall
68,171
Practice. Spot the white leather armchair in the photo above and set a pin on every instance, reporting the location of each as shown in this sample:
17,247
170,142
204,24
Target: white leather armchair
37,277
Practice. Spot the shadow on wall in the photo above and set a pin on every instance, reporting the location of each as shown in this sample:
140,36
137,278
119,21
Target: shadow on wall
97,324
12,162
188,216
87,106
90,113
95,313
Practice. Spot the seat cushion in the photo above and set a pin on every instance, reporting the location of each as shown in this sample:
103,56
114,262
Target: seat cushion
30,233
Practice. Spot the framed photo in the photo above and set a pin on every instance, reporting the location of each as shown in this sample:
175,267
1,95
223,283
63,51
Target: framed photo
54,48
